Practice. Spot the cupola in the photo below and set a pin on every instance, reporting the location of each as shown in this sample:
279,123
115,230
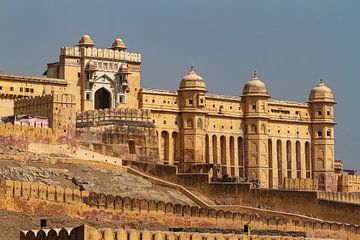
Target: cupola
192,81
118,44
255,87
86,41
321,93
123,69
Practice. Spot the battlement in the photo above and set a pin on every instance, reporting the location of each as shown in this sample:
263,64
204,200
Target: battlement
113,114
45,99
88,233
349,183
301,184
101,53
288,103
347,197
31,191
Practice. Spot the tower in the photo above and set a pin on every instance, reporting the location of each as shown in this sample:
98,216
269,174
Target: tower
255,100
191,100
321,103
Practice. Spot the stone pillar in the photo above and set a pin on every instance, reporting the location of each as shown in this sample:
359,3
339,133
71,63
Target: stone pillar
171,148
236,157
227,157
303,158
293,159
211,158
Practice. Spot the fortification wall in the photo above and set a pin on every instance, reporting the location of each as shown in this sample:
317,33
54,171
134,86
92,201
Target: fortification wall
34,139
120,133
47,200
293,201
301,184
88,233
349,183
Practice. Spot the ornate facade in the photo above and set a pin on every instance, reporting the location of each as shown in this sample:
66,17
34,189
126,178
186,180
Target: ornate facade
251,135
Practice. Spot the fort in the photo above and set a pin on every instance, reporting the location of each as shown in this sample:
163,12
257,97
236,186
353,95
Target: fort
238,158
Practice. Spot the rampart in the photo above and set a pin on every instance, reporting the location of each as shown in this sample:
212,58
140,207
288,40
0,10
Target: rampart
122,133
349,183
47,200
95,117
27,138
243,194
301,184
101,53
88,233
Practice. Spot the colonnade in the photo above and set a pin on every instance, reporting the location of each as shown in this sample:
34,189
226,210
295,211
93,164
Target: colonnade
287,158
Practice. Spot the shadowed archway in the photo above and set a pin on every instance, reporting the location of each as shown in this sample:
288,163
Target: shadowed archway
102,99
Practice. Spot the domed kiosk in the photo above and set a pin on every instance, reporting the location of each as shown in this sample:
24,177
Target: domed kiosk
86,41
118,44
321,93
192,81
255,87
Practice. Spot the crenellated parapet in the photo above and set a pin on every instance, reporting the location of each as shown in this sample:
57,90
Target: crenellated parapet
38,191
85,232
349,183
109,54
347,197
14,194
113,114
300,184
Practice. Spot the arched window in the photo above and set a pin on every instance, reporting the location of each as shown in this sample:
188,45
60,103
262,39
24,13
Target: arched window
190,123
200,123
132,147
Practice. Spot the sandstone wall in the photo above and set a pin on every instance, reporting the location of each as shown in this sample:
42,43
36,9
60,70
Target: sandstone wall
88,233
48,200
121,133
35,139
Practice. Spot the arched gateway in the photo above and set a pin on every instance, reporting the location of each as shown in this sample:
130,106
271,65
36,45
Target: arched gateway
102,99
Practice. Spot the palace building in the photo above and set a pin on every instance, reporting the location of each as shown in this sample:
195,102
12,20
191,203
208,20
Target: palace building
251,135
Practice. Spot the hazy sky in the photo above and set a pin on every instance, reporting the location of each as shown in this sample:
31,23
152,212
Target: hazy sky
291,44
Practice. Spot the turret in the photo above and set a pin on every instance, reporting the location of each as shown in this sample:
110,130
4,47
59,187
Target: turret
191,99
254,101
321,103
86,41
118,45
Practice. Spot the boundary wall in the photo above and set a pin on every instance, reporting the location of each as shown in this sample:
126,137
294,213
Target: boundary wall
21,137
50,200
85,232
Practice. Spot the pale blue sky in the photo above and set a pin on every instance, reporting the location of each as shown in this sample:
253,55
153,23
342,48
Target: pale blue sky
291,44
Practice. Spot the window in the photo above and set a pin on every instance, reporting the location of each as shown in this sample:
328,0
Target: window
122,98
328,133
319,113
254,107
11,88
190,101
328,113
0,87
153,100
87,96
164,122
88,75
27,89
319,134
31,90
21,89
78,74
201,101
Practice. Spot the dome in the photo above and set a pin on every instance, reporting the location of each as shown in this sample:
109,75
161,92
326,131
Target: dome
321,93
86,41
123,69
255,87
90,66
192,81
118,44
